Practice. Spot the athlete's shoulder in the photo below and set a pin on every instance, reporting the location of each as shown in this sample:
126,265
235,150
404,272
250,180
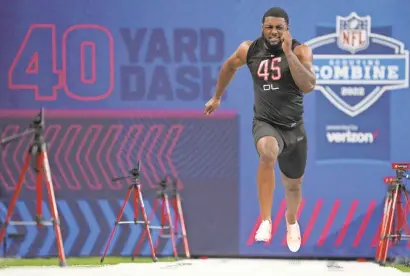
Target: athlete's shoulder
245,45
241,51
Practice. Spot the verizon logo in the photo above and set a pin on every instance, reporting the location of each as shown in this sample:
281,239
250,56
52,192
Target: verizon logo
349,135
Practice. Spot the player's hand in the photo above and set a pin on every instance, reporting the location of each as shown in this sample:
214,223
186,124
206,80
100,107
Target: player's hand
287,42
212,105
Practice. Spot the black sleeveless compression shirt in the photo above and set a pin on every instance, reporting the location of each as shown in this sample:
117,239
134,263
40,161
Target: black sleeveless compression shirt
278,100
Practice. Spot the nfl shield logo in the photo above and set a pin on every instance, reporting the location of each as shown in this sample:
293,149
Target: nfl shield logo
353,32
353,80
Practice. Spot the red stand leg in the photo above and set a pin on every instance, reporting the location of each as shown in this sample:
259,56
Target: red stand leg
15,196
394,226
39,190
170,225
53,206
147,226
387,225
180,218
117,222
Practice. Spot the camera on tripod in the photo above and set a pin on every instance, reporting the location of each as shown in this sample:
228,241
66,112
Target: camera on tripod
135,172
401,170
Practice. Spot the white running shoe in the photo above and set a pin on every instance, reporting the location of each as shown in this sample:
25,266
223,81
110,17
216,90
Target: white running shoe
293,236
264,232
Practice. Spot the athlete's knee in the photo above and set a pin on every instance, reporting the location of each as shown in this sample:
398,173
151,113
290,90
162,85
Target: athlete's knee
293,185
268,149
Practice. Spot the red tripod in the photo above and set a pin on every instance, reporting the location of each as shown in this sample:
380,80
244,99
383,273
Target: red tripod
38,149
179,218
137,199
396,209
166,220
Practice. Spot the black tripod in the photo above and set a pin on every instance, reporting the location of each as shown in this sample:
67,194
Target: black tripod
137,198
38,149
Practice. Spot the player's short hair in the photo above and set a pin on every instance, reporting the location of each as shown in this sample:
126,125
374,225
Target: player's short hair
276,12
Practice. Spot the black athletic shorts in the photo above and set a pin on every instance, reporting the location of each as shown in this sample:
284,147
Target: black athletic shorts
292,146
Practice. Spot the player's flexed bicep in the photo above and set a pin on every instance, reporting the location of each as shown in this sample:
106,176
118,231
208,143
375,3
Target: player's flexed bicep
228,70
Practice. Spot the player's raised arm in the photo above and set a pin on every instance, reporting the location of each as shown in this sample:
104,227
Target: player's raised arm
226,74
228,70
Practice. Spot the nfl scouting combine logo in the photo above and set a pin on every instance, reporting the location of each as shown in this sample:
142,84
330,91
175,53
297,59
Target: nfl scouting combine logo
355,64
365,65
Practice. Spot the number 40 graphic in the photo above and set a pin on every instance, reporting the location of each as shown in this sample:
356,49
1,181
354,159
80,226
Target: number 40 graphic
36,64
